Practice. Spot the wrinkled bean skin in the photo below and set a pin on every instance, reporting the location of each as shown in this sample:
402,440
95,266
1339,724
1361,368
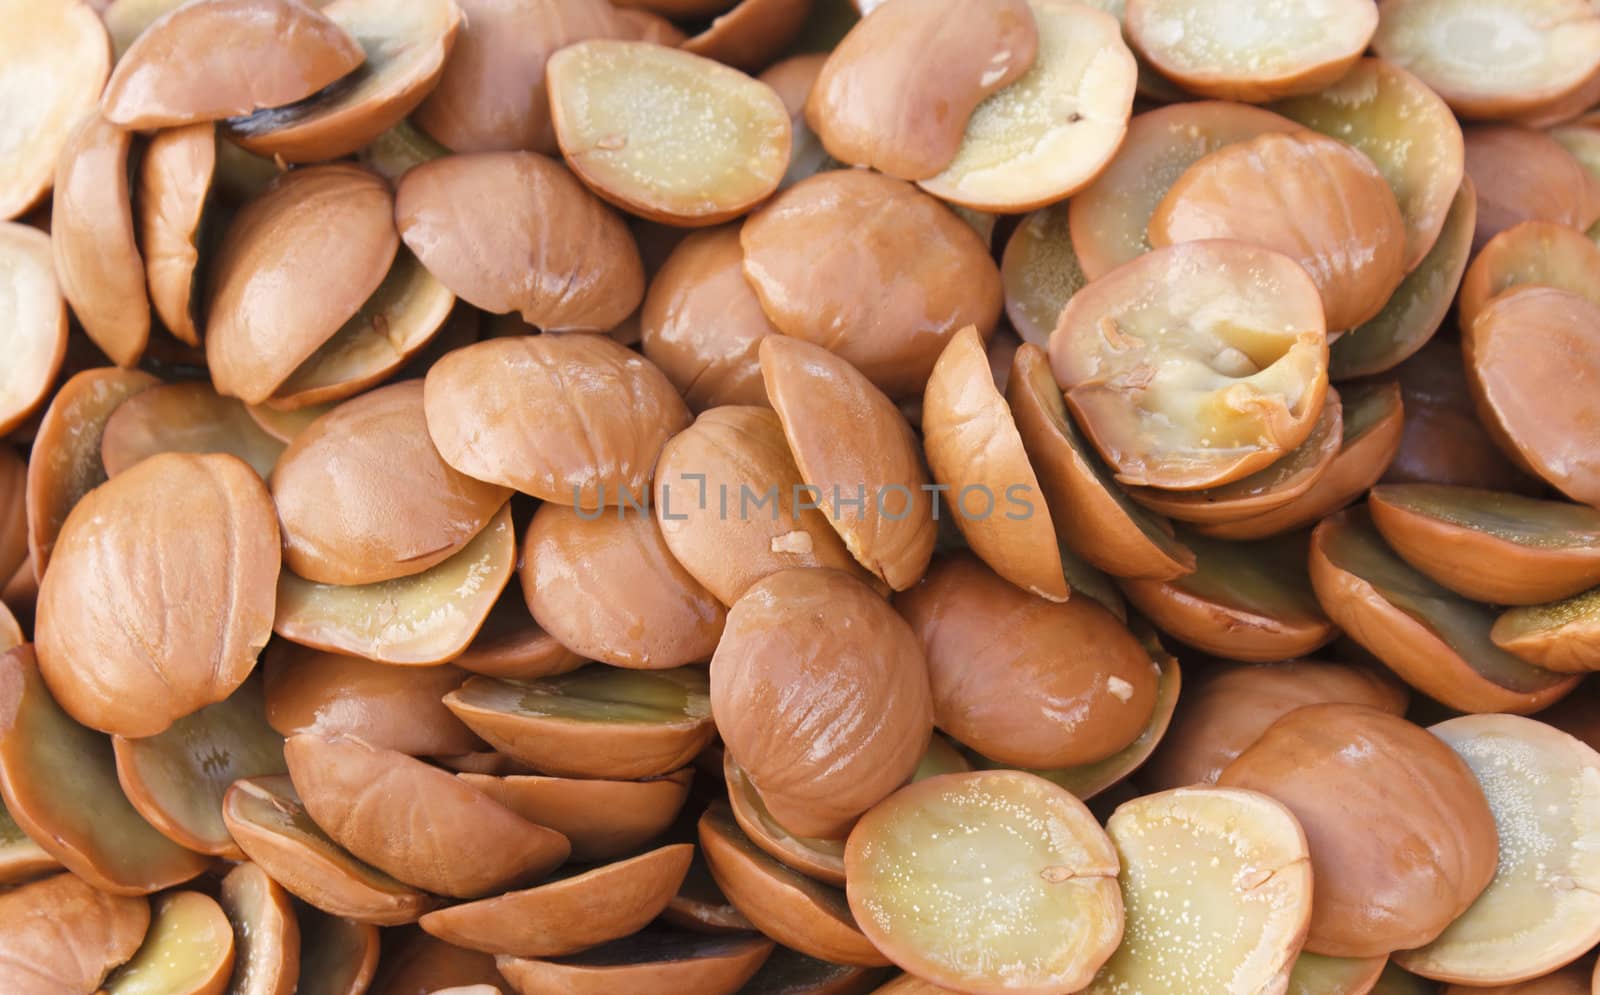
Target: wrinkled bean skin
182,551
863,671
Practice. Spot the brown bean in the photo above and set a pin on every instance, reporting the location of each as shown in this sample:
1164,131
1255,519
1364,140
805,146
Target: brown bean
406,48
1423,848
496,229
1286,49
1346,228
35,338
647,963
1539,403
1437,641
604,820
1408,132
1442,441
667,134
702,324
270,823
897,91
804,632
1556,54
492,95
419,620
1024,681
1500,548
597,721
174,187
816,394
62,935
800,913
541,414
59,56
59,782
752,34
394,708
184,551
859,264
65,464
190,65
732,506
570,914
184,418
1525,175
282,283
414,821
1049,134
1227,710
177,778
974,448
92,237
266,935
606,586
364,496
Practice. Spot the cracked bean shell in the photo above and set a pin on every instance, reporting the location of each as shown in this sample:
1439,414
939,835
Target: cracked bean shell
1195,364
182,552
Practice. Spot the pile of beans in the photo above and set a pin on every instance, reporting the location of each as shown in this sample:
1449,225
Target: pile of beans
799,497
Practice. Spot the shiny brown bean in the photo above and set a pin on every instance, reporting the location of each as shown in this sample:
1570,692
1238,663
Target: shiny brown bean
858,263
184,550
